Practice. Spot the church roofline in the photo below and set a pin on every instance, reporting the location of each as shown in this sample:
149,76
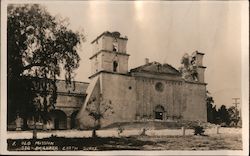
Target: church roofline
197,52
74,81
111,34
201,67
104,71
200,53
141,69
195,82
50,79
152,72
108,51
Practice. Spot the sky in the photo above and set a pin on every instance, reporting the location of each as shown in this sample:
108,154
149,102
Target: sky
163,31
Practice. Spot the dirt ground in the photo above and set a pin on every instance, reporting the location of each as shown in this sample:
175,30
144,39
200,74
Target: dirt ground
210,142
190,142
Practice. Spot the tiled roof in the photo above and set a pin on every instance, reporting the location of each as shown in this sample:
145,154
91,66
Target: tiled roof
156,67
75,87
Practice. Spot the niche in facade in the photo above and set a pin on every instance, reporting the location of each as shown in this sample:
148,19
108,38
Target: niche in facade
115,65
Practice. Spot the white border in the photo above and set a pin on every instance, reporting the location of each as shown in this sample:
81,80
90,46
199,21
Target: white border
245,94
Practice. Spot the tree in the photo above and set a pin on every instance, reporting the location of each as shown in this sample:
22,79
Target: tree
223,115
211,109
39,47
97,110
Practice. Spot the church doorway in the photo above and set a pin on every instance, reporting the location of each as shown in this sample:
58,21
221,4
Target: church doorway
159,112
159,115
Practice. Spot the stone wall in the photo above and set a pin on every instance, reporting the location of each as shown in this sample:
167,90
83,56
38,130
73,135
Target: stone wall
120,90
93,92
69,100
148,98
194,100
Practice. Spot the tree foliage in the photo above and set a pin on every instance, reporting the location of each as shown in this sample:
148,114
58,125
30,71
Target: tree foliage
211,109
39,48
234,115
223,116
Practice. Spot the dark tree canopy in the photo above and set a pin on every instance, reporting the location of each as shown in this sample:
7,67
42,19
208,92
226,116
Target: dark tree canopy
39,48
211,109
223,116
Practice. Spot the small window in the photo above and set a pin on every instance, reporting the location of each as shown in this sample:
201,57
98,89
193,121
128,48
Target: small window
129,87
115,65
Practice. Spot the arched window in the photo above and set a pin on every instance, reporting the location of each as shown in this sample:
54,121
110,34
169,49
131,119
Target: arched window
115,45
115,65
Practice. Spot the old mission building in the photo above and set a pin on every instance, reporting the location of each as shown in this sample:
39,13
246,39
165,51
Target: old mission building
152,91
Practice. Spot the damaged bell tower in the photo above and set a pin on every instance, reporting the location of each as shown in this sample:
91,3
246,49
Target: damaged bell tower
192,68
197,62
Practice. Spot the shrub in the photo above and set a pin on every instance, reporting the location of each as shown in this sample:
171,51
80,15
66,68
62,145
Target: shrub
198,130
120,130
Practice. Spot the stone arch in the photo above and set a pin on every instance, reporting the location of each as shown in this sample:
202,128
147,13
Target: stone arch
59,119
115,45
73,121
159,112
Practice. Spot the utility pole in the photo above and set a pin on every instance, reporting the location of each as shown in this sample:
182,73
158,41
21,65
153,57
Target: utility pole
236,103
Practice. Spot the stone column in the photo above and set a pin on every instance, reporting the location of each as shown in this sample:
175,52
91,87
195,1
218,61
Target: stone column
68,122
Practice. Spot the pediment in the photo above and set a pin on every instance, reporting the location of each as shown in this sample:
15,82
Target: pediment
156,67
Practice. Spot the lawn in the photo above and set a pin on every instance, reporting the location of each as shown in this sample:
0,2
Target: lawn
190,142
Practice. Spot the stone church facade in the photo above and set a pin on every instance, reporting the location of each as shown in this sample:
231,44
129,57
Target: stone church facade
152,91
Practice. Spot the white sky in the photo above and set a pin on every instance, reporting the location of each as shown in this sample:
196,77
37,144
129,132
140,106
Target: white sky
163,31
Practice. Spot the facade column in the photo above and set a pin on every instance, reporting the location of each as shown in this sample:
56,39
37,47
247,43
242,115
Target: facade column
68,122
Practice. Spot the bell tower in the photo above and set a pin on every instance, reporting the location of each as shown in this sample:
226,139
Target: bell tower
109,53
197,59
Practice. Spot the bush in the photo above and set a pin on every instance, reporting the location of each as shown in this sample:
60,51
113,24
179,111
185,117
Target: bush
198,130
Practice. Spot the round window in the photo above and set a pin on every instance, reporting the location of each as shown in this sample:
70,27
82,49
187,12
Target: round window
159,86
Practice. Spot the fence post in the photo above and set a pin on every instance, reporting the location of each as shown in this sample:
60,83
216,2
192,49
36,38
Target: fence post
217,129
183,130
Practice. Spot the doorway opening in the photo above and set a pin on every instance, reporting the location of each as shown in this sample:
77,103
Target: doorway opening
159,112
